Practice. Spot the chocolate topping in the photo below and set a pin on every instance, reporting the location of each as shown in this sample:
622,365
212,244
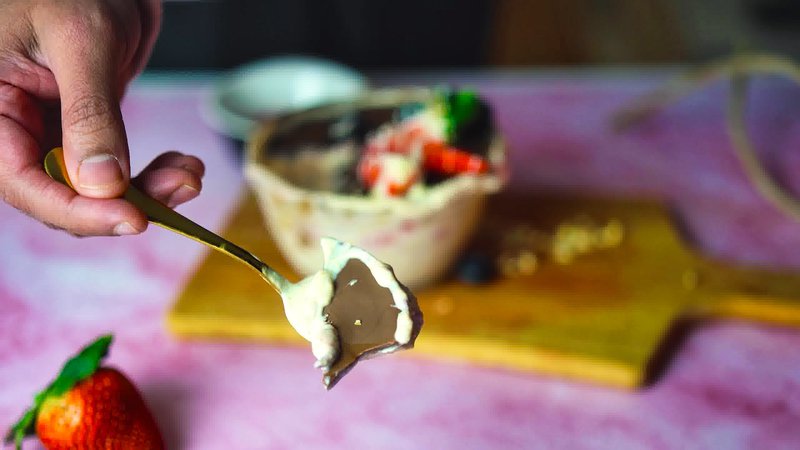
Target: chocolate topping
364,315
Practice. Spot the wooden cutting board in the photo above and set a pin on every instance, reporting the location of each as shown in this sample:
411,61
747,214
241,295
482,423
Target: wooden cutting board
610,316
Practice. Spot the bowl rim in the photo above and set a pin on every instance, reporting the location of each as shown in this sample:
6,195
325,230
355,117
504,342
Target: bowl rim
217,109
435,197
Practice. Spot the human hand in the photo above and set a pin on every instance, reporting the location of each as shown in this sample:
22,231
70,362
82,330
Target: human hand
64,67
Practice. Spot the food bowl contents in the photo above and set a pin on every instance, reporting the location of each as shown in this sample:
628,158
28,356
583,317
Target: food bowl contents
395,151
428,142
353,308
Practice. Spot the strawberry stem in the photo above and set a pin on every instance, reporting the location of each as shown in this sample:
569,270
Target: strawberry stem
77,369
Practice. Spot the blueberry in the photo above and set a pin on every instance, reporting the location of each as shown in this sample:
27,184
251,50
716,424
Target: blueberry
476,268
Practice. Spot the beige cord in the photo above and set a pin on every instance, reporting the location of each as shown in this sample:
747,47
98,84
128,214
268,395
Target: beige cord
738,69
755,170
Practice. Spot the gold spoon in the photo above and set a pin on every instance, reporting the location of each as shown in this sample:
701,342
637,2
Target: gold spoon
388,307
166,217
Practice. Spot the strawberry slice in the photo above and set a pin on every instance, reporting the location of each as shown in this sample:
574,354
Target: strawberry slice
441,158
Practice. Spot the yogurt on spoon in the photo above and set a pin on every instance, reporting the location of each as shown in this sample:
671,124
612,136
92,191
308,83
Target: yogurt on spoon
354,308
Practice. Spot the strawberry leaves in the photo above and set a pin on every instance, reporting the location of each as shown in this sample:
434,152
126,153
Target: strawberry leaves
78,368
81,366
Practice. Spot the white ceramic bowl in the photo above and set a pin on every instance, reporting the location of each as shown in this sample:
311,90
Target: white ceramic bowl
419,237
277,85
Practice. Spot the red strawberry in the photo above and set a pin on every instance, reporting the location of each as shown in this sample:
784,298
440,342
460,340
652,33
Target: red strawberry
89,407
441,158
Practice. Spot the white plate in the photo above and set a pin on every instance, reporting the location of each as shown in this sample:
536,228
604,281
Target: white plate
264,88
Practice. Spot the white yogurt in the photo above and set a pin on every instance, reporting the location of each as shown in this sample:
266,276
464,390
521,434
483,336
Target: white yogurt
304,302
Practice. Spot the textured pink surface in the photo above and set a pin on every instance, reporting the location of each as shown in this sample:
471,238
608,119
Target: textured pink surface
732,386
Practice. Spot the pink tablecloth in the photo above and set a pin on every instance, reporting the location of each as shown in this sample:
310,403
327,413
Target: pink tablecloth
733,385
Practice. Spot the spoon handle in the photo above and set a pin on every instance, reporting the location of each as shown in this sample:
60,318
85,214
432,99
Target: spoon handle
163,216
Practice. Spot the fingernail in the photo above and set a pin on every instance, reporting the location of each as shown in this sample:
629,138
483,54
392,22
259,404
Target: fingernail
184,193
99,171
124,229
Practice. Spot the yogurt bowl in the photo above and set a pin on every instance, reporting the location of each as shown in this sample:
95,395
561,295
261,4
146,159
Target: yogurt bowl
302,167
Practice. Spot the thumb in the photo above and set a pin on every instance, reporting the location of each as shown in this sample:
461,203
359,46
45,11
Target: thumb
84,59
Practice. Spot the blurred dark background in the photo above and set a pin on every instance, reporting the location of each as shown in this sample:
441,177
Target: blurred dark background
430,34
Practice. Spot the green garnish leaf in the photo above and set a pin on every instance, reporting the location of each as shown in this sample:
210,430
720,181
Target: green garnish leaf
460,107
